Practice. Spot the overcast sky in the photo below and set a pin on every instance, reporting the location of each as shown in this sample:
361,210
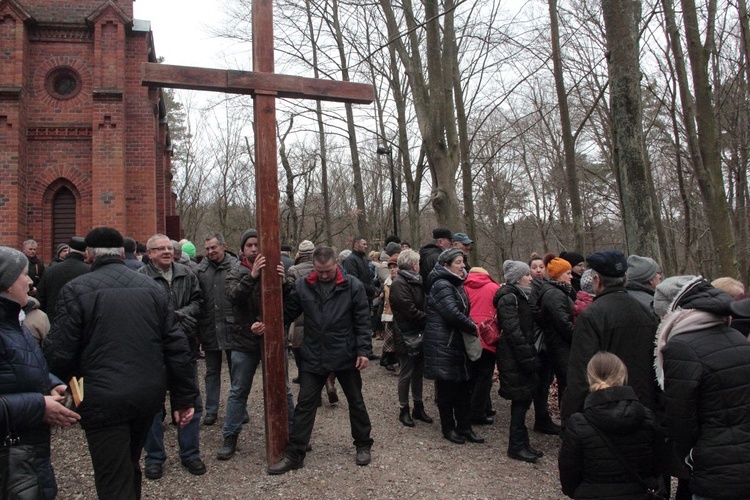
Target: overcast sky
182,30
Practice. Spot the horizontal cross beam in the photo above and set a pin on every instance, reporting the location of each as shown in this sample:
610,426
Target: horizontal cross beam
250,82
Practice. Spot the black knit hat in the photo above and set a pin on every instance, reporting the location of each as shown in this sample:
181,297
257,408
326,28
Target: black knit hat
250,233
441,232
104,237
574,258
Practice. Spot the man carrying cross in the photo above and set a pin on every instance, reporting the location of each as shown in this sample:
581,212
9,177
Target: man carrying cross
337,339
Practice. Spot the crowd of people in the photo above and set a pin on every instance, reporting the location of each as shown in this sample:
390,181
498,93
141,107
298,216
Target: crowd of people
652,374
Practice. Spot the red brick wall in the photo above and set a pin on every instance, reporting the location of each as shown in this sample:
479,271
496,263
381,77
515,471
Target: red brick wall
104,144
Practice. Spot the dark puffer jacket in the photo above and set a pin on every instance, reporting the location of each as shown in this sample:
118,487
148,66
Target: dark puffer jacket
517,361
447,316
408,306
337,327
215,328
616,323
24,381
588,468
115,327
243,292
556,313
707,400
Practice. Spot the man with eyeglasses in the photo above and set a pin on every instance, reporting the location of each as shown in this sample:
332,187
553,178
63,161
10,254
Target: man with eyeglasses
183,287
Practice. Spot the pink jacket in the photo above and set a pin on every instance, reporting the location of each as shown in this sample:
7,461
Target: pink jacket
481,289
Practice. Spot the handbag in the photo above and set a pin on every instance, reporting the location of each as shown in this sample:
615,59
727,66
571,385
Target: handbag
651,492
489,331
18,474
473,346
413,342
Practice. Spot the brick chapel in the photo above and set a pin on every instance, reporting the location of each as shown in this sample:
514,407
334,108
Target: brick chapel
82,143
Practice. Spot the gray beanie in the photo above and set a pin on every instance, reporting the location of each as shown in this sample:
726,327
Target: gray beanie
12,264
514,270
587,281
641,269
667,291
392,248
449,255
306,246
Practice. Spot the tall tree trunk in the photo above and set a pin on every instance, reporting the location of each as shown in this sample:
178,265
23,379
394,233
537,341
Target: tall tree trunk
321,134
292,232
363,229
621,18
571,175
709,175
432,98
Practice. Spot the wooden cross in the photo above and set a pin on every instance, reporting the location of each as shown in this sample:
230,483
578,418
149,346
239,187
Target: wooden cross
265,86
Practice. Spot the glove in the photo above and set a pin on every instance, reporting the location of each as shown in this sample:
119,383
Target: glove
188,323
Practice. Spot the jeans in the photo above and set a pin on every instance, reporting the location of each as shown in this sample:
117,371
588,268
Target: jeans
116,454
188,437
244,366
454,405
412,373
213,378
311,384
482,385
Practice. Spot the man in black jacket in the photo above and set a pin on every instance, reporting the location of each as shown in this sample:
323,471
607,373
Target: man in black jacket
337,339
357,266
58,275
183,287
115,329
615,322
428,254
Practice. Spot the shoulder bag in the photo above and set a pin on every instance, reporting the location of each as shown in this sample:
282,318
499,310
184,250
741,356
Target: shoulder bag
18,475
650,492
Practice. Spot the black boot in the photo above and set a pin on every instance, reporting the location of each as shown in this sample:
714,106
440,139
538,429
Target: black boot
405,418
419,413
228,448
547,426
533,451
518,434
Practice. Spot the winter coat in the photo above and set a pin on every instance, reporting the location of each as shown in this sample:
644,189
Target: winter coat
302,269
185,292
243,292
36,269
428,257
115,328
24,381
583,301
55,278
707,399
337,327
215,327
409,309
588,468
517,360
615,323
555,313
643,294
132,262
357,266
481,289
447,317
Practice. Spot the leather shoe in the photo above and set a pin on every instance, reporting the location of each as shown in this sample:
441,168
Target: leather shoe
284,465
483,421
195,466
523,455
534,451
548,427
246,418
454,437
152,471
209,419
471,437
363,456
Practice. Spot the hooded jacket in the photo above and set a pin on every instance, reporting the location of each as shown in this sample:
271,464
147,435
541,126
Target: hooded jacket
706,376
517,361
337,326
447,317
481,289
588,468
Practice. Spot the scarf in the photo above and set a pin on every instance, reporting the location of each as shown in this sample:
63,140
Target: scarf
675,323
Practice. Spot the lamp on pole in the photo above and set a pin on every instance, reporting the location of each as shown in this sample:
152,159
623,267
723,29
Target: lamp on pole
382,150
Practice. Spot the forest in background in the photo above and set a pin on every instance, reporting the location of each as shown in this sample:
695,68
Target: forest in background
532,126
